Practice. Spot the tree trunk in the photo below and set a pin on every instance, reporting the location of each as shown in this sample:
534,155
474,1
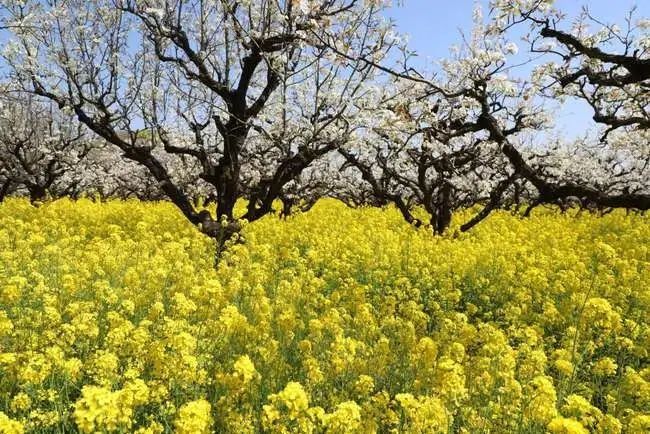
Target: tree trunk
36,193
443,214
5,189
287,204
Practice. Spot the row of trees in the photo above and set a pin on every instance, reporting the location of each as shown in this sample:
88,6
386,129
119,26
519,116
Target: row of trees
293,100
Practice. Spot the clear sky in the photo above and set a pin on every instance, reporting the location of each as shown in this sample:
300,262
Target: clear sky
434,25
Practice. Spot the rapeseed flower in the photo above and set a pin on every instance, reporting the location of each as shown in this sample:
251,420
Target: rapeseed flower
113,318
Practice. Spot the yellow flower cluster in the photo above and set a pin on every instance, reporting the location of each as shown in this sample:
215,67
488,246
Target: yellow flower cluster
194,418
100,409
113,318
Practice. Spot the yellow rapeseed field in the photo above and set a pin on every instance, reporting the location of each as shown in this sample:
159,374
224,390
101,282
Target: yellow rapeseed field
113,319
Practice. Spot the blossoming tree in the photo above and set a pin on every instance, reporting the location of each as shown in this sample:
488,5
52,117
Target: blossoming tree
41,151
220,83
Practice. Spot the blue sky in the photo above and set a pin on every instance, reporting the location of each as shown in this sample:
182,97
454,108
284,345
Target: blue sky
434,25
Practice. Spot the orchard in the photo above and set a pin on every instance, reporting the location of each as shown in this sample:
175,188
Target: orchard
276,216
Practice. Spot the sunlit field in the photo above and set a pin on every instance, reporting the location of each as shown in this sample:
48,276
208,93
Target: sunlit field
113,319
